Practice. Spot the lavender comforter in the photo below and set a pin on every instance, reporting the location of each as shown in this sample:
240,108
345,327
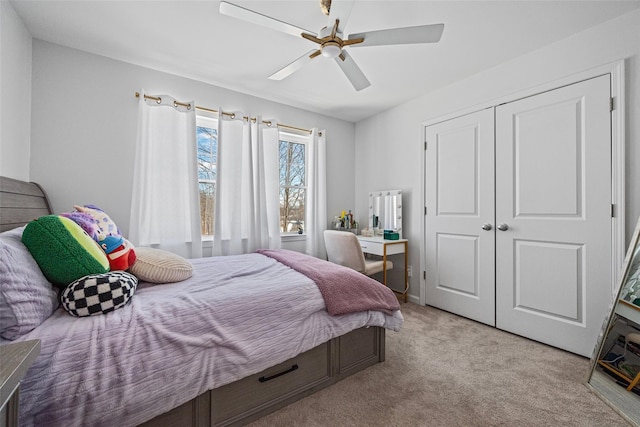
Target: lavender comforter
235,317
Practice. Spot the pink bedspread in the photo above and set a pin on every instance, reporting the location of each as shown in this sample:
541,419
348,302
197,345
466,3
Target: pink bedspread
344,290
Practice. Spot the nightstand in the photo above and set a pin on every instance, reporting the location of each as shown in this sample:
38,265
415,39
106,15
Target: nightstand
15,361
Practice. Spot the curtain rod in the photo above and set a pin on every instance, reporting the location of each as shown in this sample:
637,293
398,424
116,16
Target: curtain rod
232,115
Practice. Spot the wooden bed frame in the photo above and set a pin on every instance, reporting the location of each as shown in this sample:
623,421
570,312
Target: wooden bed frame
252,397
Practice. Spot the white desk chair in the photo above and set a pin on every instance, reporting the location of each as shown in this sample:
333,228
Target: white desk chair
344,248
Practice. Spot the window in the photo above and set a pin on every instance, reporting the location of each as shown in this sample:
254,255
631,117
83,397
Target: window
207,140
292,183
292,168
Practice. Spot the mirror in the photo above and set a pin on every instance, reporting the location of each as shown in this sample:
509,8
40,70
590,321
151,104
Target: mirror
615,365
385,211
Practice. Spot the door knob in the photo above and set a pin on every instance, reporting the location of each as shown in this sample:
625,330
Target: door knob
503,227
486,227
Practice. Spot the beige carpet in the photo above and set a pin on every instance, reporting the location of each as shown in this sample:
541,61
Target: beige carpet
444,370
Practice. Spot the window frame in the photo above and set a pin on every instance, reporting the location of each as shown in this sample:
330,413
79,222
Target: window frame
204,119
210,121
303,139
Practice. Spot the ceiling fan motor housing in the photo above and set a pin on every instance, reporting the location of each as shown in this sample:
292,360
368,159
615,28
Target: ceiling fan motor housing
325,6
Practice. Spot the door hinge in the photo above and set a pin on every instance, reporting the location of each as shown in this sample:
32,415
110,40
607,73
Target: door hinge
425,145
425,210
424,275
613,210
612,104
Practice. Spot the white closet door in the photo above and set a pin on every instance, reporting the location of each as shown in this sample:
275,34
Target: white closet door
553,192
460,255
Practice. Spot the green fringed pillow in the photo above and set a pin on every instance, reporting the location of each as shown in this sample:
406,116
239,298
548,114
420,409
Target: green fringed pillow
63,250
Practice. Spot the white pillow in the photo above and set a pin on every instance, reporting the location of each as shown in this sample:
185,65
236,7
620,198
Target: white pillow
158,266
26,297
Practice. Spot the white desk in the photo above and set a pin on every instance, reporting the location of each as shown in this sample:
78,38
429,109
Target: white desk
378,246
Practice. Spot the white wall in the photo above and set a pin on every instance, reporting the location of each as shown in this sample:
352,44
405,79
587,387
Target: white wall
83,120
394,138
84,116
15,94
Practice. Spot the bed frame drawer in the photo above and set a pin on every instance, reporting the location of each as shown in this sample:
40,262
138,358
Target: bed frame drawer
272,387
248,399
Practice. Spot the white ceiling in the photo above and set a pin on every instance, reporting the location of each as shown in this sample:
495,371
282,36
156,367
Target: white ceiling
192,39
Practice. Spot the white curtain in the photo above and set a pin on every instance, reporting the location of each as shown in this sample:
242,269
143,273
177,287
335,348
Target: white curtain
247,211
165,207
316,193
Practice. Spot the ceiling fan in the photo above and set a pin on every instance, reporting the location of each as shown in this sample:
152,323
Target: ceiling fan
331,40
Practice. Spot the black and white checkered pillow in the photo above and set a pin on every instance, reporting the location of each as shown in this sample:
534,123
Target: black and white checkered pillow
98,293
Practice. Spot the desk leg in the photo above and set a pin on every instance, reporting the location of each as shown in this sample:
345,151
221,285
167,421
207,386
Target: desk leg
406,271
634,382
384,265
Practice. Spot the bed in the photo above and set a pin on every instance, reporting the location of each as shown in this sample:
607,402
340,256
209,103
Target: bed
242,337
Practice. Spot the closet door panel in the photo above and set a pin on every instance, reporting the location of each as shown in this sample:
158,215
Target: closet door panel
457,259
457,172
553,192
459,186
547,160
545,269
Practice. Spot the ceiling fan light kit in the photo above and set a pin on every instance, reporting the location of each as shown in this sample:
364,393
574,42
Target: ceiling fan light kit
330,38
330,49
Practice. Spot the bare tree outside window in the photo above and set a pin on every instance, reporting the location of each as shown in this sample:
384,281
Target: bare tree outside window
292,187
207,140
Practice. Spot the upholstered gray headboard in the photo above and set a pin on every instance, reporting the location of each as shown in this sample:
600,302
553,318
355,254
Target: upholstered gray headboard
21,202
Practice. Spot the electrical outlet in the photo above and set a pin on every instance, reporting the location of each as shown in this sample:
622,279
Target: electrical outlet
410,271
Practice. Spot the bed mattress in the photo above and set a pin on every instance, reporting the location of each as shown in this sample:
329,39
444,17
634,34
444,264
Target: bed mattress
236,316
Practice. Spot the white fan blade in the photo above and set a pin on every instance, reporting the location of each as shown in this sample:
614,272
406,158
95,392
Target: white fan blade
293,67
341,10
239,12
353,72
407,35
